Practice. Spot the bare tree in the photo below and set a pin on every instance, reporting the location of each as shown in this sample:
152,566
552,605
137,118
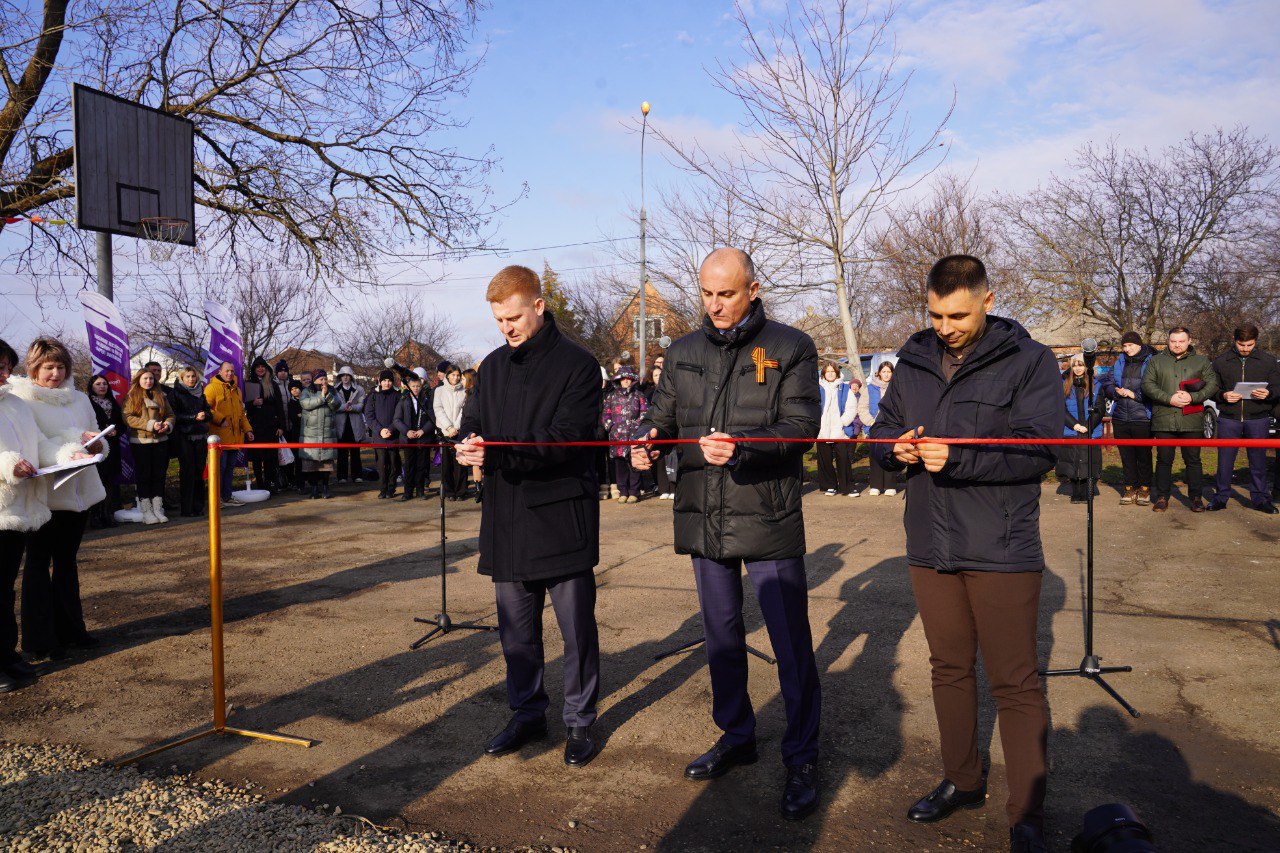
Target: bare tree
953,219
376,331
689,223
1115,236
827,144
1228,286
320,126
274,310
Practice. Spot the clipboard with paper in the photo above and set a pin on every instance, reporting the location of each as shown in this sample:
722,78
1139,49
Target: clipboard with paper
75,466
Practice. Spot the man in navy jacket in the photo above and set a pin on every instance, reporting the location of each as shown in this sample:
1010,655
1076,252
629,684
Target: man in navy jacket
973,529
540,518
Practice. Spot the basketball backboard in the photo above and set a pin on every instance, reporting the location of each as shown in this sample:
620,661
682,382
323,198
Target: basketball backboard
132,163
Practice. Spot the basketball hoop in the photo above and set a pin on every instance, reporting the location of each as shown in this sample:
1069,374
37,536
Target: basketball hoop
164,232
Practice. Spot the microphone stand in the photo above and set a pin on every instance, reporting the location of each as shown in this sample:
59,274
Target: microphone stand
443,623
1090,665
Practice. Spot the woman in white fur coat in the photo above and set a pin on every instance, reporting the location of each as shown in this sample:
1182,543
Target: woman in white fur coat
23,508
52,617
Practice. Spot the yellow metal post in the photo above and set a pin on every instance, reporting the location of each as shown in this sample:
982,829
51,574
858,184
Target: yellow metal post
215,622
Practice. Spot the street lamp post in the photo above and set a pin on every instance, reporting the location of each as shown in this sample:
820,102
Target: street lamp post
644,277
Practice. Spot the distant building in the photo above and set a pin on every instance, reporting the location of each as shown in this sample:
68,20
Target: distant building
309,361
1065,332
171,359
661,319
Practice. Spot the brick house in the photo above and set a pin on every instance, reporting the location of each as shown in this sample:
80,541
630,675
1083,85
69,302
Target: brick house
661,318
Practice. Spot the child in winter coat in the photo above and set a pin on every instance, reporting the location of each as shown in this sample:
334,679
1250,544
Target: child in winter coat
624,406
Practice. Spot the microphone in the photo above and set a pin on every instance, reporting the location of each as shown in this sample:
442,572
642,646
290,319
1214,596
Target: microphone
1089,347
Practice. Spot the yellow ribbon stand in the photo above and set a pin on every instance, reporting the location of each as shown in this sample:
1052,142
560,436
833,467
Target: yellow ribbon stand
220,726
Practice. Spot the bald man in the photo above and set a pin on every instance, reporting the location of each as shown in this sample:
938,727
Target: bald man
743,375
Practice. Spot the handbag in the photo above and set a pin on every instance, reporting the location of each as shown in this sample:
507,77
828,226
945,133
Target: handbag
284,454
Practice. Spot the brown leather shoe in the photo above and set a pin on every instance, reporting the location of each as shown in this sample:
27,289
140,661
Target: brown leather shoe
1160,505
1197,504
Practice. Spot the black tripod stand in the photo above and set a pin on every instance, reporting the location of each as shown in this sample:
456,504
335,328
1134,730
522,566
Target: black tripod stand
442,621
1090,666
689,645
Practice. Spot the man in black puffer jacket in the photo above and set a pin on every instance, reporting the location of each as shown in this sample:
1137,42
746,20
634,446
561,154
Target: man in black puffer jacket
744,376
973,530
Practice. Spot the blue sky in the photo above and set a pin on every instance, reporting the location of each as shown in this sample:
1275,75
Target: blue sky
1032,81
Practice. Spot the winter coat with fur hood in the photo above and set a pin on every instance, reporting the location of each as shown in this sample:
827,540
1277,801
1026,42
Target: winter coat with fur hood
23,501
63,414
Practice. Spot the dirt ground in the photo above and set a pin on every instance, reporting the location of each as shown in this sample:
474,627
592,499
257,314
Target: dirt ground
320,597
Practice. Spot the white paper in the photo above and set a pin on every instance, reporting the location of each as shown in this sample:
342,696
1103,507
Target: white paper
67,466
1244,389
110,429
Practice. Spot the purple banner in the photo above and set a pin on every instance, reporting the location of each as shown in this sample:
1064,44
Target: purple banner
109,350
224,341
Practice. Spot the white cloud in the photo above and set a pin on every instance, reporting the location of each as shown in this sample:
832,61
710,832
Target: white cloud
684,38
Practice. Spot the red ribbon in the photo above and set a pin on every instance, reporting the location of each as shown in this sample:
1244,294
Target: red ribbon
1265,443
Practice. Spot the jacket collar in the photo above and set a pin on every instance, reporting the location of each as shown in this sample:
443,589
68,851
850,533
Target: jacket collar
544,339
25,389
740,334
924,349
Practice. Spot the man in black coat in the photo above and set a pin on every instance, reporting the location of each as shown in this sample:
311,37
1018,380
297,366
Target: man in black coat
744,376
415,423
973,530
540,518
1245,416
380,420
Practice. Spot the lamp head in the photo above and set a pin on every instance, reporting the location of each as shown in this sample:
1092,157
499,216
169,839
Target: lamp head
644,108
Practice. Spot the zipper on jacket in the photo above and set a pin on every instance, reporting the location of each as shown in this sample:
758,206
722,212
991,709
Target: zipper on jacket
694,368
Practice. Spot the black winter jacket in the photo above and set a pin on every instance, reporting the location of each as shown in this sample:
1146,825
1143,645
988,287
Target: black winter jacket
1258,366
541,513
749,509
186,405
380,413
424,419
982,511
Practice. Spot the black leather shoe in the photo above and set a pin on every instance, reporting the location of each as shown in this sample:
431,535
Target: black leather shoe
86,641
517,733
578,746
1268,508
720,759
1027,838
21,670
945,799
8,683
1217,506
800,796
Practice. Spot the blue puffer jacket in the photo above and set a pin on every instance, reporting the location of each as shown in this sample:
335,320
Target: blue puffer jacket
1139,408
1075,416
982,510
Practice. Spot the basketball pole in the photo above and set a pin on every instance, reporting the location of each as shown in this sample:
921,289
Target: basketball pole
106,273
220,726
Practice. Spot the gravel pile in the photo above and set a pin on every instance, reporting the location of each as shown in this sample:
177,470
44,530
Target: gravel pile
53,797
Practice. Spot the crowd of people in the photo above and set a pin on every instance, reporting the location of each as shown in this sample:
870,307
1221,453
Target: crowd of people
1146,394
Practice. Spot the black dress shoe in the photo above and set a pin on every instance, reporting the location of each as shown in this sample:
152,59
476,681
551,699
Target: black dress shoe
8,683
21,670
517,733
1217,506
1268,508
406,497
945,799
800,796
86,641
720,759
578,746
1027,838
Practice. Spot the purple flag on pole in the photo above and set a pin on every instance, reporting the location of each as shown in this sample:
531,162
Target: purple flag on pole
109,350
224,341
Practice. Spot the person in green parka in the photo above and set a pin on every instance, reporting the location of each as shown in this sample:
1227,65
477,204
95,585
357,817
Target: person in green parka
319,405
1176,383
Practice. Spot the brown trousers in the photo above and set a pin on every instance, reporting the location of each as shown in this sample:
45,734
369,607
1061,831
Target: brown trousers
994,611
